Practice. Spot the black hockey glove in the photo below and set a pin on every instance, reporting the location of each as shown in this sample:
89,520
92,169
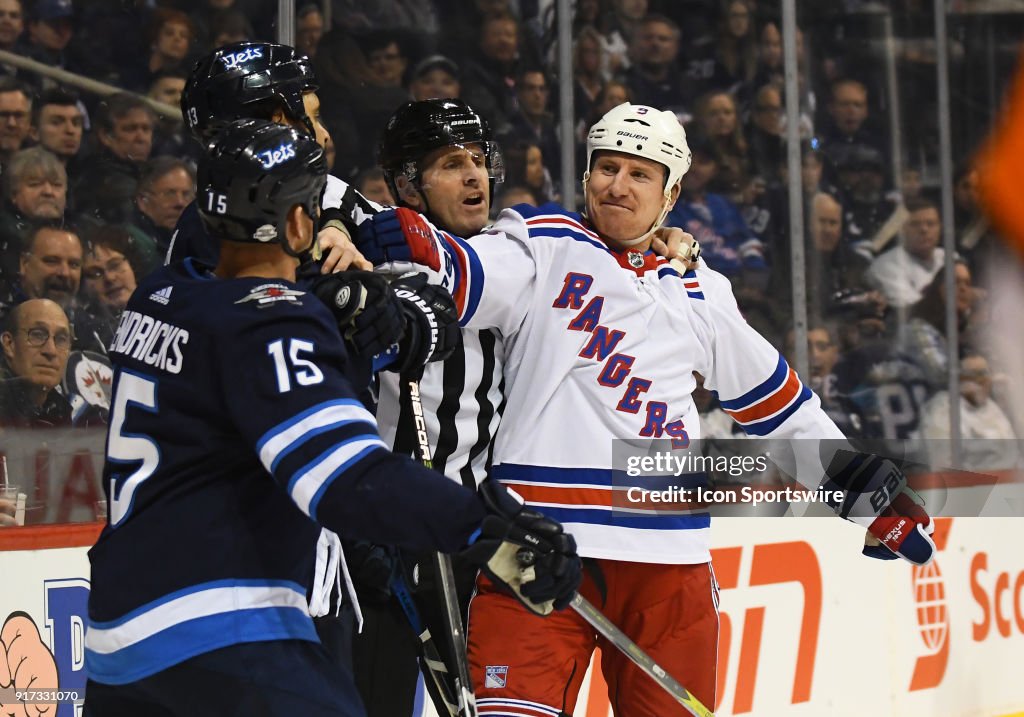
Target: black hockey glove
371,567
368,314
525,551
432,330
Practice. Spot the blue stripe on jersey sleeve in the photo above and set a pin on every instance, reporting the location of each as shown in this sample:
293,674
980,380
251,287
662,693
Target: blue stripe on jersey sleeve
476,279
765,427
766,387
307,484
566,233
285,437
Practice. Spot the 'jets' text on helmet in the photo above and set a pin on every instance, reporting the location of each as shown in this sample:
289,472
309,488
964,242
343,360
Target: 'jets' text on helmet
252,174
246,80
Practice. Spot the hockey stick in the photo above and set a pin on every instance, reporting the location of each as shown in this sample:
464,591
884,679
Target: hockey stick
466,701
640,658
627,647
432,660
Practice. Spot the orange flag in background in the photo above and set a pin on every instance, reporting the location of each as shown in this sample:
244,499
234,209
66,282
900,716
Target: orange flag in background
1001,167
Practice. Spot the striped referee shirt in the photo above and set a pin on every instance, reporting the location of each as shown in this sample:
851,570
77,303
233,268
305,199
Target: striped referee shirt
463,397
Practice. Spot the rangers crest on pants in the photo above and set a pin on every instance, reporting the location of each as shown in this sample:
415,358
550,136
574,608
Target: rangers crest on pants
495,676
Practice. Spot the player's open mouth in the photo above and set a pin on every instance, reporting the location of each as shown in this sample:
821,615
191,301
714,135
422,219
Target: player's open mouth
474,201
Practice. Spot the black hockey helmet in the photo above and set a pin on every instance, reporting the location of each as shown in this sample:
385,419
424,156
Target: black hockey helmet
246,79
418,128
251,175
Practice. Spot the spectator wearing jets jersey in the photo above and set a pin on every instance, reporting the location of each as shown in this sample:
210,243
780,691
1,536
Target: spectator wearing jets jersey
234,438
601,338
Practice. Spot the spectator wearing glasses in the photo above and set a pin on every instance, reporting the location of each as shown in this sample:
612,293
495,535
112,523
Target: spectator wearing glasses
15,117
36,344
166,187
108,276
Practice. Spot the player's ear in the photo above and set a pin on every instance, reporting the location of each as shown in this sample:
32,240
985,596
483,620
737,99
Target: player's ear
674,195
407,192
299,228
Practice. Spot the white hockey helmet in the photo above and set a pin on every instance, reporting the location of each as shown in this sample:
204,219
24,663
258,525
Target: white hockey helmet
644,132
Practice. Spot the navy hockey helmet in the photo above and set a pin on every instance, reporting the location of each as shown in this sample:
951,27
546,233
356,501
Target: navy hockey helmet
252,174
246,80
418,128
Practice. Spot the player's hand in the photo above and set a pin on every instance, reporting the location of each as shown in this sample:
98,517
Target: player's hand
339,251
902,531
876,496
676,245
432,329
368,314
25,663
398,235
525,551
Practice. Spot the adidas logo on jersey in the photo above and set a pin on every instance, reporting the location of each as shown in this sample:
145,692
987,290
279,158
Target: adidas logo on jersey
161,296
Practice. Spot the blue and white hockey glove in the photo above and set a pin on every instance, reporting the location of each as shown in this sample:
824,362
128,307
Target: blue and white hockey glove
877,497
398,235
551,573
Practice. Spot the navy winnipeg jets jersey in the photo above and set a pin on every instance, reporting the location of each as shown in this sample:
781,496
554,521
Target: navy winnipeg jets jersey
233,433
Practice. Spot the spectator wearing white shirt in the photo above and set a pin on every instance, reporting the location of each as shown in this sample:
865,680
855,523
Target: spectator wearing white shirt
903,272
988,439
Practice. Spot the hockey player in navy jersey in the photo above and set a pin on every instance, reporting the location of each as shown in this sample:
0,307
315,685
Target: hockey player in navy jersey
261,80
601,338
234,435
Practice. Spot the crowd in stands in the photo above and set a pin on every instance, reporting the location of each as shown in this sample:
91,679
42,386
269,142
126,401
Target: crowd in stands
93,186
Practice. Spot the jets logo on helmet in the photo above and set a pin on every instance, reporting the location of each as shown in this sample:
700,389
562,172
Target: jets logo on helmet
246,80
253,173
234,59
273,157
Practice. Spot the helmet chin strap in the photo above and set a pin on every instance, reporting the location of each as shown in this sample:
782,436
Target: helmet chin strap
654,227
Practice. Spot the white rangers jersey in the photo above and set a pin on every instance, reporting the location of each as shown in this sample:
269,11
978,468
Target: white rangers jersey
601,345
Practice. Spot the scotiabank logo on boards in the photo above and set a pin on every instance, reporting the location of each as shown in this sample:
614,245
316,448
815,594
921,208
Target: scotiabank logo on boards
930,598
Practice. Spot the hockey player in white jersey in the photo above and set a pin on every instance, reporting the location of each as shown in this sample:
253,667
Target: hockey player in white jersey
440,158
601,339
